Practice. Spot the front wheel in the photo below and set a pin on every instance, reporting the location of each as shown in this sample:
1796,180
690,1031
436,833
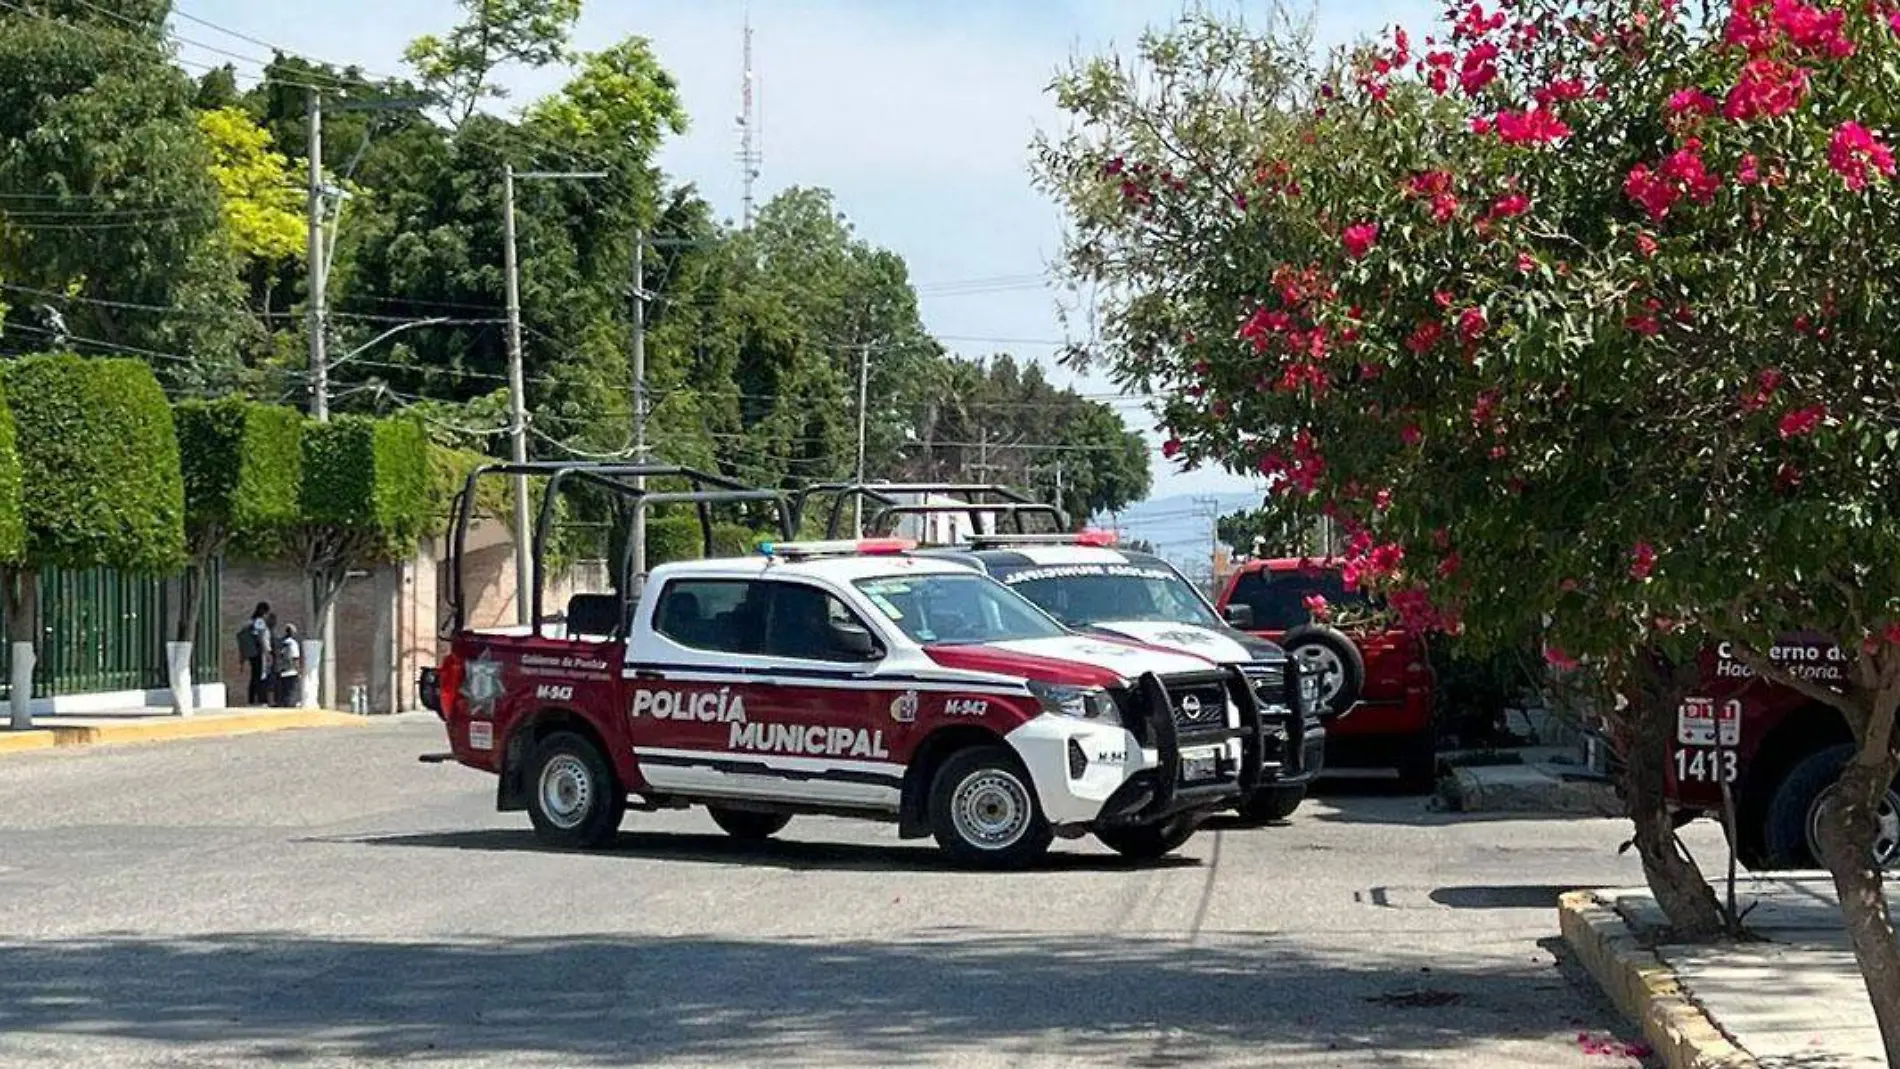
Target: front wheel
1149,842
746,824
575,801
983,811
1791,831
1269,804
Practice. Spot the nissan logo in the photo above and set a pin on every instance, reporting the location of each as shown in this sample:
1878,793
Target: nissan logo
1191,707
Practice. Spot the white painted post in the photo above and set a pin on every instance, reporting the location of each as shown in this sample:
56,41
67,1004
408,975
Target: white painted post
308,682
22,684
178,673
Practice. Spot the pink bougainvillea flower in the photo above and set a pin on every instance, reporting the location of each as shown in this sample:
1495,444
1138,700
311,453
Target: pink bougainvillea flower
1410,434
1756,398
1685,167
1766,89
1811,29
1444,208
1650,191
1448,565
1510,206
1430,183
1171,448
1646,245
1534,127
1424,337
1317,607
1359,239
1526,263
1559,91
1646,325
1787,477
1748,170
1801,421
1472,324
1854,151
1642,560
1693,101
1558,659
1479,68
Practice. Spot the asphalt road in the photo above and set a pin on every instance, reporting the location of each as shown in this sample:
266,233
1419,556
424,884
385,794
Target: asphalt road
321,898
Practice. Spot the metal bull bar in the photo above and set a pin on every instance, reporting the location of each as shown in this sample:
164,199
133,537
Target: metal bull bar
1164,795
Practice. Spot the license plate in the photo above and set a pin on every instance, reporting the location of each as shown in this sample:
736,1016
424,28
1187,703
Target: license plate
1200,766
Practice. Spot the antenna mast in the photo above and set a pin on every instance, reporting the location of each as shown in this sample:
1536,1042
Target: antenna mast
751,133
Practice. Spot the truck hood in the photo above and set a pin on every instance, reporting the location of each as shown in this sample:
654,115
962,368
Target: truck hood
1204,642
1078,660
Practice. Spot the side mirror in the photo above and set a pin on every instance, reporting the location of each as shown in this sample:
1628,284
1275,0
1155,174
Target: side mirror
1239,615
854,641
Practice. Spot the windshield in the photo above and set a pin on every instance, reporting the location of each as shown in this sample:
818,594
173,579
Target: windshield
957,608
1082,595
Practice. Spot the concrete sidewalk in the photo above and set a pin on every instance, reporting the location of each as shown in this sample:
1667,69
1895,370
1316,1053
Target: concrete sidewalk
156,725
1794,998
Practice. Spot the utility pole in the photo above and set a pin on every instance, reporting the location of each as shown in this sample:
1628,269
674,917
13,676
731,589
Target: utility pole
517,393
864,381
319,368
639,532
517,402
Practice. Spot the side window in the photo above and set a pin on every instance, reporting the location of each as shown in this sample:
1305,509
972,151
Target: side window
1277,599
801,624
722,615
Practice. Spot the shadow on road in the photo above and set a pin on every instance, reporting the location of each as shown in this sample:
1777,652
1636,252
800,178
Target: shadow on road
612,999
794,854
1501,896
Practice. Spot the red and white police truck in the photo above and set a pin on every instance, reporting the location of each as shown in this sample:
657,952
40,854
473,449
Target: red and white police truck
845,678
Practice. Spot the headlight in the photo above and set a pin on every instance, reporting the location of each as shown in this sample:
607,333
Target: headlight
1083,703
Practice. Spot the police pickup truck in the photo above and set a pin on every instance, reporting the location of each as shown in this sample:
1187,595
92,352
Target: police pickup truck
850,678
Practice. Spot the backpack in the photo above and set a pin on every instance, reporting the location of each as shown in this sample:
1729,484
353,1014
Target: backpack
247,643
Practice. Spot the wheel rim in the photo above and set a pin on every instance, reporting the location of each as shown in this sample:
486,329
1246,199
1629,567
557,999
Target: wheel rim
566,791
1886,828
1323,664
990,810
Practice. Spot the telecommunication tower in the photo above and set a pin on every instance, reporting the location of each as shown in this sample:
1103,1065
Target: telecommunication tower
751,131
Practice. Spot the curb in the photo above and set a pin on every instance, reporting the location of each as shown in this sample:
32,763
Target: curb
1645,988
162,729
1465,790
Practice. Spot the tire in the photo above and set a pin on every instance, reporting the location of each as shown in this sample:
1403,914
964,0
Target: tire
747,824
1270,804
1150,842
1788,829
984,813
574,798
1327,653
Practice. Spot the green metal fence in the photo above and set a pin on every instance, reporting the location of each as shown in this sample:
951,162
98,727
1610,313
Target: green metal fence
102,630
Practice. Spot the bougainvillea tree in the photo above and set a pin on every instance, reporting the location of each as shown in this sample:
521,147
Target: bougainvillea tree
1576,313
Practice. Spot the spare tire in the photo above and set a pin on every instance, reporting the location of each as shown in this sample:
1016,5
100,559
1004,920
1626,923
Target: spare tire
1326,653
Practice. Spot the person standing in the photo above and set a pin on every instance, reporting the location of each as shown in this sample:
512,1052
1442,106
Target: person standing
289,663
254,641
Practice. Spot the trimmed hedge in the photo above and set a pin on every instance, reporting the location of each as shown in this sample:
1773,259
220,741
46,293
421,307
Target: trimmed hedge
12,520
243,465
99,453
673,538
368,477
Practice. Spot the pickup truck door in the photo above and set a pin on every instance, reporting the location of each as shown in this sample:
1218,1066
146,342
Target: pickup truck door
749,696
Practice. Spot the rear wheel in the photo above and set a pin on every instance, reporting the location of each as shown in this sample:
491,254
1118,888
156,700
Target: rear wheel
746,824
983,811
575,800
1791,829
1148,842
1269,804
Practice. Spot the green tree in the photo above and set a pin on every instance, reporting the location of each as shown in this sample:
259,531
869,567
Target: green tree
262,207
109,221
98,450
242,466
1566,332
364,498
459,68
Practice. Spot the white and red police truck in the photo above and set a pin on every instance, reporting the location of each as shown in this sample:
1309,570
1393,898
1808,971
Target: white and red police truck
845,678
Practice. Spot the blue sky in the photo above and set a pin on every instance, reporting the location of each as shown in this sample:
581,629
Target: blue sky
918,114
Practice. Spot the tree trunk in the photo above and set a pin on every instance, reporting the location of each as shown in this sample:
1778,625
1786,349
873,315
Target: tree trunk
1847,832
1649,721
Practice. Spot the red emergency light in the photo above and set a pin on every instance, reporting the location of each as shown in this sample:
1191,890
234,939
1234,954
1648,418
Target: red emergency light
1095,538
843,547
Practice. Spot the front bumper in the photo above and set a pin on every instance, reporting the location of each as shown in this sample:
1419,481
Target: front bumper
1090,773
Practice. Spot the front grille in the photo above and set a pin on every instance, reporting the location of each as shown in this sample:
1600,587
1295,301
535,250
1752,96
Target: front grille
1198,704
1269,682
